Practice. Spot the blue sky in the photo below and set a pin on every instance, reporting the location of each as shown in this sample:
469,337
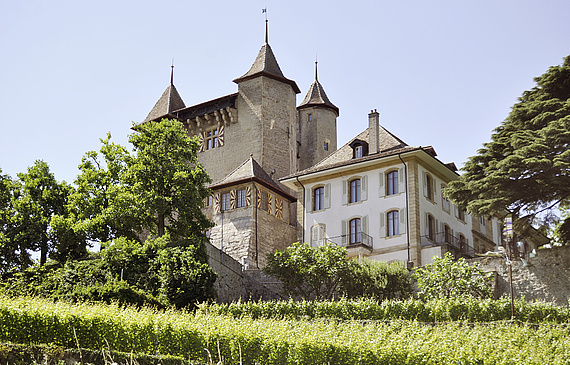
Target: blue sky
442,73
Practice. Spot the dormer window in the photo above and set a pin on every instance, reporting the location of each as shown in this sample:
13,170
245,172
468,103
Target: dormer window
359,148
358,152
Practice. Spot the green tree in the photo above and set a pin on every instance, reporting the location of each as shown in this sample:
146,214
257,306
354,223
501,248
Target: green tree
525,168
9,257
308,272
37,198
377,279
447,278
166,180
101,208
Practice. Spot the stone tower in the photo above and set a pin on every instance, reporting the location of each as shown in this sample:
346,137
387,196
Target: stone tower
317,126
266,111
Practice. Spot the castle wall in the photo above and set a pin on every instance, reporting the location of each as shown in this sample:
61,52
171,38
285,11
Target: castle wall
317,125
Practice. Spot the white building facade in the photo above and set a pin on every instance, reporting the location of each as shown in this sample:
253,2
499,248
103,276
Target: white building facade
383,200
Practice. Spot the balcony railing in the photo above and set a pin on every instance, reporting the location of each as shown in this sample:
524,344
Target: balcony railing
461,247
354,240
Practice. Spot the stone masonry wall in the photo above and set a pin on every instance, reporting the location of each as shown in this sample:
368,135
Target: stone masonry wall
545,277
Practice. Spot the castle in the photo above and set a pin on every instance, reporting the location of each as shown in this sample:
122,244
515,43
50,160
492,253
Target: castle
279,177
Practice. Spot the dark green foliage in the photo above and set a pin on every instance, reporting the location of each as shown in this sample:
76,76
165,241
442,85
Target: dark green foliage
525,167
166,181
449,278
378,280
125,272
325,272
309,272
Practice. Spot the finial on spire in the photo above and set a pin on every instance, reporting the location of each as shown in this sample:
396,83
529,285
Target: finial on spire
316,63
172,72
264,11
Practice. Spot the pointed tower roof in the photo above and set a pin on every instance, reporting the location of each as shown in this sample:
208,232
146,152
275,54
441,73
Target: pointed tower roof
316,96
266,65
250,170
168,102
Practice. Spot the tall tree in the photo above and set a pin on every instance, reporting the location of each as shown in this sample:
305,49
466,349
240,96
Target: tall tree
526,166
39,197
100,209
167,181
9,257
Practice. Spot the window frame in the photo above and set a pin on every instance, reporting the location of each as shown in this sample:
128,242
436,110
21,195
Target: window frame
392,182
393,223
431,227
355,231
355,192
225,202
318,198
241,201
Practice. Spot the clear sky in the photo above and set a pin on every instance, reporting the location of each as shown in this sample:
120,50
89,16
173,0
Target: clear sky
443,73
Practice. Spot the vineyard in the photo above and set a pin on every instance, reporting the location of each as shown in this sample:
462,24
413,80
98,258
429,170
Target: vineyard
344,332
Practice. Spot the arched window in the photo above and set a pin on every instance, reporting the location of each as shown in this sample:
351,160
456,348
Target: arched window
355,231
431,227
429,187
319,198
393,223
354,191
447,233
392,183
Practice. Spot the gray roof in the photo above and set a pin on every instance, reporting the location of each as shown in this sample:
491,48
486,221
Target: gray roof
266,65
168,102
317,96
250,170
389,145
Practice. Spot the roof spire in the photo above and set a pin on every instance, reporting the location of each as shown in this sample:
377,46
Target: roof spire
316,63
264,11
172,72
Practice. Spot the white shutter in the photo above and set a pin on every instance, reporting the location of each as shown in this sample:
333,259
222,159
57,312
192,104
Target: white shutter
327,196
309,207
364,188
344,192
344,225
402,220
382,225
434,187
426,220
314,235
382,188
401,181
424,180
364,227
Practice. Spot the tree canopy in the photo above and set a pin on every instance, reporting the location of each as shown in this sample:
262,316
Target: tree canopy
525,168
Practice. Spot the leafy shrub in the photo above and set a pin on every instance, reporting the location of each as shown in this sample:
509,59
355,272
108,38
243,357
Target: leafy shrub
447,278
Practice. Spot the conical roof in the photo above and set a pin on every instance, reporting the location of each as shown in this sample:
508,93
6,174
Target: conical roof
317,96
265,64
168,102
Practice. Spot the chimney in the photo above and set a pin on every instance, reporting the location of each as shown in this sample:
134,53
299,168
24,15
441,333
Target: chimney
373,131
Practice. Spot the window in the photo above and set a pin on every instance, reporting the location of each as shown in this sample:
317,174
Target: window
393,223
317,235
225,201
431,227
429,187
309,117
326,147
212,139
207,233
355,231
241,202
462,242
209,201
444,200
358,152
392,186
354,191
461,214
447,233
319,198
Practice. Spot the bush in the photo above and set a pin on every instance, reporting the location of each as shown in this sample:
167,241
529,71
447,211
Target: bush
446,278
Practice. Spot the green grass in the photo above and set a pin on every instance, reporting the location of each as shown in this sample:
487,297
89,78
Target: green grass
246,340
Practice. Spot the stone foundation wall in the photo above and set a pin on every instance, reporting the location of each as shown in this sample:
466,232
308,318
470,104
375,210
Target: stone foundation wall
545,277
